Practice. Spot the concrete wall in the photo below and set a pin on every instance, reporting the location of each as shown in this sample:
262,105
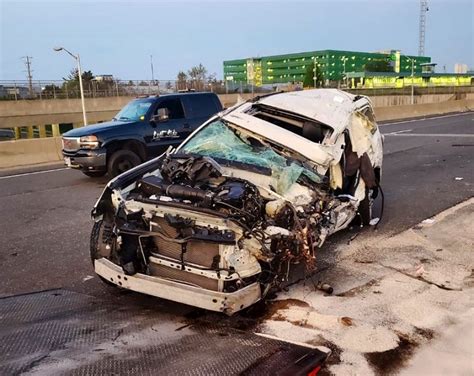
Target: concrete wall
27,113
28,152
37,112
419,110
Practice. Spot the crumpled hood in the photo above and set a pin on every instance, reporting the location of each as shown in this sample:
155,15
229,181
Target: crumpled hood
97,128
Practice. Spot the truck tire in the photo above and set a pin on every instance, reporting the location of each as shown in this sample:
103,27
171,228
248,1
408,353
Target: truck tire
96,241
94,174
121,161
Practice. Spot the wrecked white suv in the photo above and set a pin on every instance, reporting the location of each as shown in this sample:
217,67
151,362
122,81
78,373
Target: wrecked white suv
217,222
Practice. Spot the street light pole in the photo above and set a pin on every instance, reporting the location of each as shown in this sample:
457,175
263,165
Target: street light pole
79,71
82,89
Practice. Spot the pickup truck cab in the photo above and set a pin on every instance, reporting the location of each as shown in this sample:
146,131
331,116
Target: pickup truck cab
143,129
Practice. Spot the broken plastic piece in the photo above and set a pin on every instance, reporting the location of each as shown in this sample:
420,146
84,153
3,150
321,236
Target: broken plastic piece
374,221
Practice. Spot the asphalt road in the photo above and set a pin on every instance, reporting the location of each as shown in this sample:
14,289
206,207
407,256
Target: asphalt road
45,215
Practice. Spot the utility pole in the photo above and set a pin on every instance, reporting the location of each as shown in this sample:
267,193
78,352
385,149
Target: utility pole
412,96
423,9
29,75
152,74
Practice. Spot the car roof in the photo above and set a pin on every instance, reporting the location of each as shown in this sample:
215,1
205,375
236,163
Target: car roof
332,107
156,97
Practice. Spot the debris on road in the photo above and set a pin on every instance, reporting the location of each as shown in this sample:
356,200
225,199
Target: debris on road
408,294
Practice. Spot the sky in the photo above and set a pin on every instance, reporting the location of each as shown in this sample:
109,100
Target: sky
118,37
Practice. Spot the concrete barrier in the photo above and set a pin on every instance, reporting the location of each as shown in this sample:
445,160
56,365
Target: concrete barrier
419,110
27,113
27,152
37,112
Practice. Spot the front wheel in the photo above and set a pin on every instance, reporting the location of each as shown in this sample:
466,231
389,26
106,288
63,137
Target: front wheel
102,244
121,161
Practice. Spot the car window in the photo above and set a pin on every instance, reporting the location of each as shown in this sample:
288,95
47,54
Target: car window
134,110
174,106
198,106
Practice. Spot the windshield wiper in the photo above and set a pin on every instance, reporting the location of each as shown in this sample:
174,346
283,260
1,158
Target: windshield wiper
124,118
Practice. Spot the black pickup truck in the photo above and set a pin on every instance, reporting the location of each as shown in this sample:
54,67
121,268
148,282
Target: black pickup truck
143,129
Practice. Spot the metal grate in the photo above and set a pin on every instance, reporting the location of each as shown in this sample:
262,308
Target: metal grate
65,333
70,143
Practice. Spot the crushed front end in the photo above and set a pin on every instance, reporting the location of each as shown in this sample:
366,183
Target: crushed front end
218,222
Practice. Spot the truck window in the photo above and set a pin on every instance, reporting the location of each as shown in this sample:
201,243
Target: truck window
174,106
198,106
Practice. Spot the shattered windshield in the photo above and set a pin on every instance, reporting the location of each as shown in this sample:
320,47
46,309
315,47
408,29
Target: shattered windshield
222,141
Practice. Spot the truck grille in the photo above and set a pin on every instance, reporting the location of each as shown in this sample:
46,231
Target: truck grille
183,276
70,143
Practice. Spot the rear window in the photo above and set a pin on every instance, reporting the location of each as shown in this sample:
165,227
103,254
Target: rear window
199,106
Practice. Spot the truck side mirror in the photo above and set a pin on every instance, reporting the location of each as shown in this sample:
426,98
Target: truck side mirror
161,116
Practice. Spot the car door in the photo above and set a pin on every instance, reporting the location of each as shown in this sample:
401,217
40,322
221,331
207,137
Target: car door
168,131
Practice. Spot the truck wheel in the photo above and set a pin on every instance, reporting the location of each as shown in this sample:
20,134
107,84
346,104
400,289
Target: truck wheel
94,174
121,161
97,243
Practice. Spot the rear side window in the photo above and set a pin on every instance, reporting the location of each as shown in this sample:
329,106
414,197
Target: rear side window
198,106
174,106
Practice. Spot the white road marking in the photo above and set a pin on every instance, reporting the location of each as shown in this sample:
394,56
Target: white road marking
32,173
398,132
429,118
430,135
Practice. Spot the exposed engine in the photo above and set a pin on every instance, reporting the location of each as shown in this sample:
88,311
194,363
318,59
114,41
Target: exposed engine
271,231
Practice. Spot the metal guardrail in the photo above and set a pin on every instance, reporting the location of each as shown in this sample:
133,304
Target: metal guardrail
58,89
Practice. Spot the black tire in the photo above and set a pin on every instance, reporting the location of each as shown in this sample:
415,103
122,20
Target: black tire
121,161
95,245
94,174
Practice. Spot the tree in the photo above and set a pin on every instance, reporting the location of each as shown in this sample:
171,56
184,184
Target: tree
311,72
182,80
71,82
74,76
198,76
378,65
51,90
212,82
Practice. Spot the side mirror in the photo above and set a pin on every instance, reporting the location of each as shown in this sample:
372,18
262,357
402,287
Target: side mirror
161,116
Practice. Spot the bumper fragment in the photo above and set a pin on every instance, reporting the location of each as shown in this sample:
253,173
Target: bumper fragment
228,303
90,160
